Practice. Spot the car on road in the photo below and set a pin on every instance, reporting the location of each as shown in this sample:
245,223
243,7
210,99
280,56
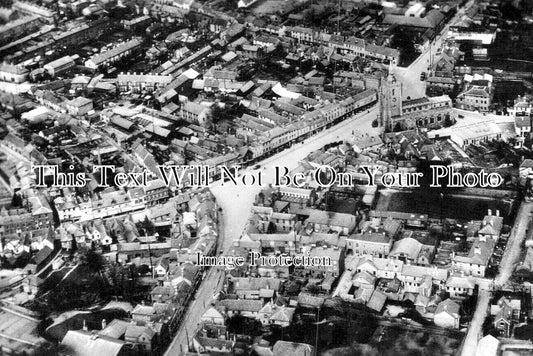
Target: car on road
423,76
257,166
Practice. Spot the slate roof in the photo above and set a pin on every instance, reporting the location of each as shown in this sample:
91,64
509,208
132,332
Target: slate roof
247,305
84,343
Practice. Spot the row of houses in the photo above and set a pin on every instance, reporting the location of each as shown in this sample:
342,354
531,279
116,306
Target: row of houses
344,45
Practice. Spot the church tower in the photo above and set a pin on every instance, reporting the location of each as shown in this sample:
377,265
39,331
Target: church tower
390,99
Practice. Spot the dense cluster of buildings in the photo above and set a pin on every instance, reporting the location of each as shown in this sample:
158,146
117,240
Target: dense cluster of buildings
181,83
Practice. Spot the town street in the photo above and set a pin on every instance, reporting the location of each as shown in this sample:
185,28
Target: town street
236,202
474,329
412,86
514,245
507,265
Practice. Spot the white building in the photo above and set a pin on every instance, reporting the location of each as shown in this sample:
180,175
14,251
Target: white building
13,73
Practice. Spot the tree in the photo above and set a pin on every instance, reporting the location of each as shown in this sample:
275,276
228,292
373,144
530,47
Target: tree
94,261
313,289
143,269
148,226
271,229
16,201
398,127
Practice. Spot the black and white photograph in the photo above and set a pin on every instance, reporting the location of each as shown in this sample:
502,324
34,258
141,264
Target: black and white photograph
266,177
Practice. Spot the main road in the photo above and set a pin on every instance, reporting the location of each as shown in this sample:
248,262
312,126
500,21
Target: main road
506,268
413,87
236,202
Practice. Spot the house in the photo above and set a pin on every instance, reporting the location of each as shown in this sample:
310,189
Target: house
506,313
487,346
379,267
522,125
213,316
491,226
13,73
310,301
377,301
320,220
426,305
437,85
113,55
526,169
523,106
84,343
156,192
502,320
211,346
138,83
366,143
422,279
163,294
477,260
218,25
447,314
364,280
362,295
475,98
147,313
79,106
162,267
460,285
369,242
245,307
255,288
42,258
195,113
332,259
410,249
275,314
115,329
142,336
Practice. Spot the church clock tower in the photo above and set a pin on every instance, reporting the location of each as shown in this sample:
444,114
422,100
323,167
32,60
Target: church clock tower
390,99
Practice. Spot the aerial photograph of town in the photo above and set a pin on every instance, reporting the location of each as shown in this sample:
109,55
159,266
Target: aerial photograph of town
266,177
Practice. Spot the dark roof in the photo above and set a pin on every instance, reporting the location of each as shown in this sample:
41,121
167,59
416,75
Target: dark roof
42,255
